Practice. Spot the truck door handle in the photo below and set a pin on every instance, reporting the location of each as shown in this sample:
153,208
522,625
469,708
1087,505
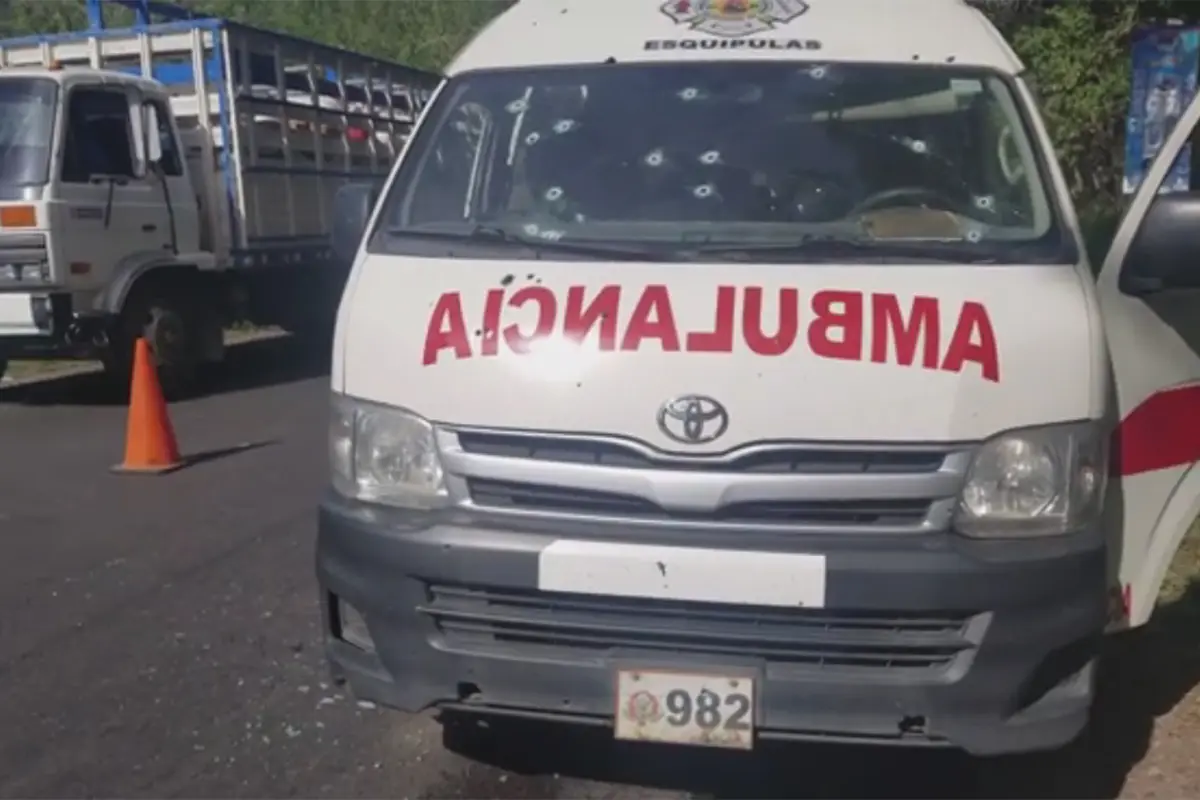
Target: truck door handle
149,227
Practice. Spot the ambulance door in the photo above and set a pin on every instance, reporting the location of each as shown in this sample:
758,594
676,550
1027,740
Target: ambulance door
1149,293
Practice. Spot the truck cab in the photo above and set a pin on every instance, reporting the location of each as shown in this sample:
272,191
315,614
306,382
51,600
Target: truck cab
94,178
162,180
791,410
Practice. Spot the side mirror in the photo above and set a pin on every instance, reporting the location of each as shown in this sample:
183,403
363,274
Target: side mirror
1165,252
351,210
150,127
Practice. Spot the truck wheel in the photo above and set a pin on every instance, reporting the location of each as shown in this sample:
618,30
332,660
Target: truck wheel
169,324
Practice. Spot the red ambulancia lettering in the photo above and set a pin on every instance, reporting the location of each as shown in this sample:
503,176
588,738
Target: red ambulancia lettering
547,305
447,329
837,324
720,338
888,323
837,330
652,319
757,339
601,311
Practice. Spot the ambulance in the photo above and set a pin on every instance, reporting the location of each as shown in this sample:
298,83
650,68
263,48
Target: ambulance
724,372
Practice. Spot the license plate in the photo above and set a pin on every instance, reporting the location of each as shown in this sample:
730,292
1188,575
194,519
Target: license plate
685,708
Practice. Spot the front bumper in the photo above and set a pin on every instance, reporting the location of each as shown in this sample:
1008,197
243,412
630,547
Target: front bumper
923,640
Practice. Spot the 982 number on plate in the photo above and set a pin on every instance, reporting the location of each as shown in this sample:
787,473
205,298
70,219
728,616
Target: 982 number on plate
685,708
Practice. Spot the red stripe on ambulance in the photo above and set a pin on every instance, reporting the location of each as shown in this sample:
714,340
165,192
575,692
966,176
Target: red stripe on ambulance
1160,433
831,324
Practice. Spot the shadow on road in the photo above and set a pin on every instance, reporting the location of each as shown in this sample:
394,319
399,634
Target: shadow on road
1146,674
250,365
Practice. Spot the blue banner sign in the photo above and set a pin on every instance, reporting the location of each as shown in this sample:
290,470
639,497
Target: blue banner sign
1165,60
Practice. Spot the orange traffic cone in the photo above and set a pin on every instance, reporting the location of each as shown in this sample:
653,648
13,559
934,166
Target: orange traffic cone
150,446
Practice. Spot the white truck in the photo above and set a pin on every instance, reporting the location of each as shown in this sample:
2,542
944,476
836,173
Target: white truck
793,411
162,179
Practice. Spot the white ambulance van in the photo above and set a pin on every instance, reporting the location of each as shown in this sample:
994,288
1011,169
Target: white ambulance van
732,371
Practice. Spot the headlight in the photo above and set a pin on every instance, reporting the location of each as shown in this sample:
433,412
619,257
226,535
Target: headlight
1035,482
384,455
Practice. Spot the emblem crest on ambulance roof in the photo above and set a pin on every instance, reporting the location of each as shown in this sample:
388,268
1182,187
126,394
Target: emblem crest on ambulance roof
733,18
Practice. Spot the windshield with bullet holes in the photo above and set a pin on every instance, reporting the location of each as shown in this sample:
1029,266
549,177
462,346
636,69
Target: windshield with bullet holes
726,155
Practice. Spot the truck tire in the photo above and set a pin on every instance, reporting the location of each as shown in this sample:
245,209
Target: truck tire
170,324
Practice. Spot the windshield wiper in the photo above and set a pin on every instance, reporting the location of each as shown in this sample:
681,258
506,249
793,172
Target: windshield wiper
492,234
824,248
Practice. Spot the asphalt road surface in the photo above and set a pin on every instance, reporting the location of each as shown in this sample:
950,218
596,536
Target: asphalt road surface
159,637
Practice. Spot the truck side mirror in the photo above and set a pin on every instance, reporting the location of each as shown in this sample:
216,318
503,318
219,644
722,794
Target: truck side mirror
351,210
1165,252
150,126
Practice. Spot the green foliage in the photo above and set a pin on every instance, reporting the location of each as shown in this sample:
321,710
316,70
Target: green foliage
1078,57
423,33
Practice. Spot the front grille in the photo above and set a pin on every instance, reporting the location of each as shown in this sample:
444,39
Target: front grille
554,625
775,460
550,499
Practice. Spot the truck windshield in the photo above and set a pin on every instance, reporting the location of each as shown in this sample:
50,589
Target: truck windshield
26,129
757,156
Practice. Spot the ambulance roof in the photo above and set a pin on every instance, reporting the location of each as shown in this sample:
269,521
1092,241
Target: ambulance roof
567,32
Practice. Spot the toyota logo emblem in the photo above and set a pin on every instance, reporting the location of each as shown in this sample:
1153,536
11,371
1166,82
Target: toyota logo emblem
693,419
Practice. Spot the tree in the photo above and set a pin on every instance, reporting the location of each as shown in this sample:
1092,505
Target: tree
424,33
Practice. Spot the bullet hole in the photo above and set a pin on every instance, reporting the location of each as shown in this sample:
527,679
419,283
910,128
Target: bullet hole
478,332
538,281
579,386
506,280
529,277
662,568
949,59
610,60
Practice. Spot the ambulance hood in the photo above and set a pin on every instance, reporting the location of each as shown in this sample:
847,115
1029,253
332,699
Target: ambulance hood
834,353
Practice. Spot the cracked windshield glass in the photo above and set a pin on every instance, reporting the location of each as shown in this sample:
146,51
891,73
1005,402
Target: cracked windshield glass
714,155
